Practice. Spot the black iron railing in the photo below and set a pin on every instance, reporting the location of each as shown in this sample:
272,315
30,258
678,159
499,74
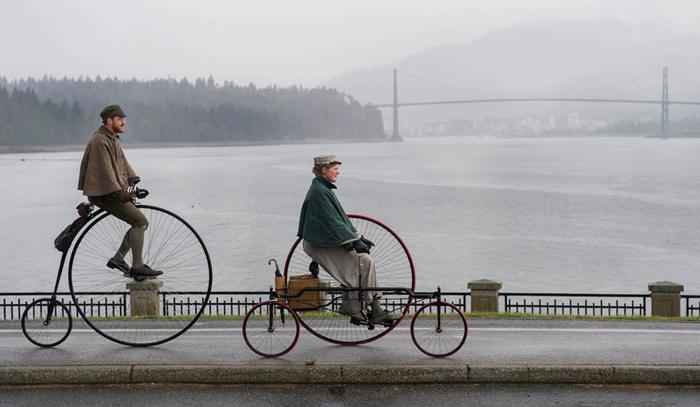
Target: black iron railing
221,303
576,304
692,305
237,303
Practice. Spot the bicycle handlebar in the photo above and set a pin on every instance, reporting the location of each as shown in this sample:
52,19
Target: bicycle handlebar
139,193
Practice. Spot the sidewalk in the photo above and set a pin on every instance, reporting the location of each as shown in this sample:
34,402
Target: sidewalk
496,351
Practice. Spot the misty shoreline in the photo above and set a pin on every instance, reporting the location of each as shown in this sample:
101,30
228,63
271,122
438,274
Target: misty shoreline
81,147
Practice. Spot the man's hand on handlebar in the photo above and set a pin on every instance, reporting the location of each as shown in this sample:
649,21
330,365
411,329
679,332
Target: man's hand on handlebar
130,194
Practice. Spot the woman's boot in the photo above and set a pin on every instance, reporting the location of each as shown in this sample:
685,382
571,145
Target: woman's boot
381,316
351,307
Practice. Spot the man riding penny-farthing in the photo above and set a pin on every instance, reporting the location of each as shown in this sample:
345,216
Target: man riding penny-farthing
139,275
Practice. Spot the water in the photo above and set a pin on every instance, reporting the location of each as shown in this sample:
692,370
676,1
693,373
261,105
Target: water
540,214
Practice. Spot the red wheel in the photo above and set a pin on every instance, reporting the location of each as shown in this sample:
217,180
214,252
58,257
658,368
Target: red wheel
439,329
271,329
394,267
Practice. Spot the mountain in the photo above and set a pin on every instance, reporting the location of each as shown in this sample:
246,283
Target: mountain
595,59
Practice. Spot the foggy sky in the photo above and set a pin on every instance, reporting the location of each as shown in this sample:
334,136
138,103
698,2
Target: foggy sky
273,41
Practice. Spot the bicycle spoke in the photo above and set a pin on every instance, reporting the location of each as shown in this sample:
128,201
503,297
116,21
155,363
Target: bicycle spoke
394,268
46,322
104,297
439,337
270,337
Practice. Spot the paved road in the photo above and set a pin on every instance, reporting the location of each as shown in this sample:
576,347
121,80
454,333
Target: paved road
349,395
490,341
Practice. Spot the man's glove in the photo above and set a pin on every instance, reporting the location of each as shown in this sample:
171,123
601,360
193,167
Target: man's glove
360,246
134,180
123,196
367,242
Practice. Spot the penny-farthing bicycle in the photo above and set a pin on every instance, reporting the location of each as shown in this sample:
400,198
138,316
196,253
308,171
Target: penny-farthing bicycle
271,328
131,312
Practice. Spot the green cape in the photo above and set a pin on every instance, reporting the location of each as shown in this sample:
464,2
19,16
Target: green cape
323,221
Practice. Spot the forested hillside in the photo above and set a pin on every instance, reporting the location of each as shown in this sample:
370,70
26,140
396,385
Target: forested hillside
51,111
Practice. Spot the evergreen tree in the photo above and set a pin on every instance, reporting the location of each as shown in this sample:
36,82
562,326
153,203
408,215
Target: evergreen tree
65,111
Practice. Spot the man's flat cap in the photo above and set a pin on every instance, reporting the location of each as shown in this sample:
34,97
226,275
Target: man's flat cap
112,111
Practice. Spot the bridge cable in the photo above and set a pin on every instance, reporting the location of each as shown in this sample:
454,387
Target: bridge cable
357,85
617,86
595,90
676,72
449,86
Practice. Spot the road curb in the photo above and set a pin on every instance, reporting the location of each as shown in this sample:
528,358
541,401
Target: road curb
349,374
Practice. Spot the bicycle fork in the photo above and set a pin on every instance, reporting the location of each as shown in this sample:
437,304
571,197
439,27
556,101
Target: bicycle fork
52,302
438,327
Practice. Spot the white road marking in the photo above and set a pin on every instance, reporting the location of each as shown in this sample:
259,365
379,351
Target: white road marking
578,330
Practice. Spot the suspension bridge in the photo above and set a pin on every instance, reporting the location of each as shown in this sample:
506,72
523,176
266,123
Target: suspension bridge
663,103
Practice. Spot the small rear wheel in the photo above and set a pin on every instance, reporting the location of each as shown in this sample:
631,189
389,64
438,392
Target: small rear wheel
439,329
46,322
271,329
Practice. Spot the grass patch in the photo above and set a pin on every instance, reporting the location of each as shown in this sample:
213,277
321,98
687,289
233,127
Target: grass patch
306,315
144,318
317,314
222,317
320,314
517,315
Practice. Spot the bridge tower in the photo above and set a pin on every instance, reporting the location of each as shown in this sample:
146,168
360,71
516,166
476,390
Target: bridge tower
395,136
664,104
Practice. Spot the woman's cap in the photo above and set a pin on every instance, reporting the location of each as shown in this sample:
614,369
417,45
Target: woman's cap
326,160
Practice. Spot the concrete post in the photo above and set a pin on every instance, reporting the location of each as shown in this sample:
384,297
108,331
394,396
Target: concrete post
665,299
484,295
144,298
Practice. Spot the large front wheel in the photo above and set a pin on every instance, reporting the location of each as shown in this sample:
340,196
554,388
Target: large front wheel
394,268
141,313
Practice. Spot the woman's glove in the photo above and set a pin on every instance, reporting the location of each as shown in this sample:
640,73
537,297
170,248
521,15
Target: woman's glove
368,242
360,246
